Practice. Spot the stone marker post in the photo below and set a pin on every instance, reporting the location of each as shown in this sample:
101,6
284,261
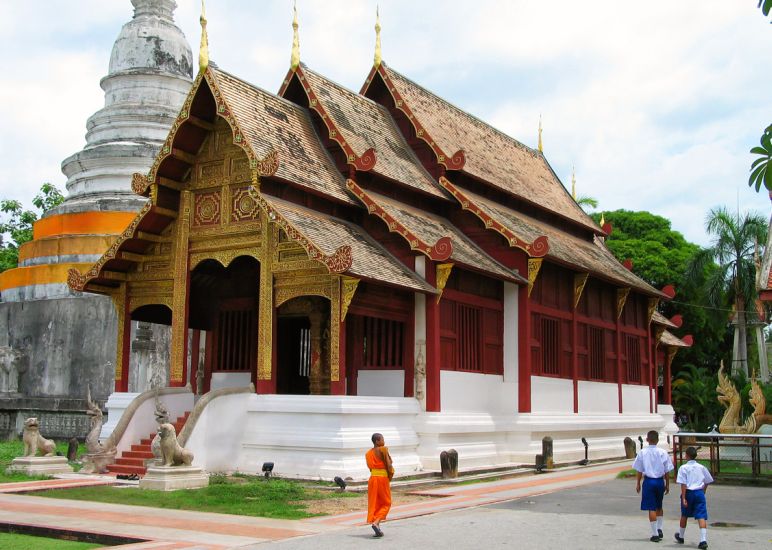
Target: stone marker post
546,451
629,448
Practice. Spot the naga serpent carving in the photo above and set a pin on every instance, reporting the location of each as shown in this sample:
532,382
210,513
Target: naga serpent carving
729,397
759,403
95,413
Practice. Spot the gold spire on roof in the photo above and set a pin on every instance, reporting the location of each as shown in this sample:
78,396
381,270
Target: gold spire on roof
541,149
295,57
203,52
573,182
602,220
377,57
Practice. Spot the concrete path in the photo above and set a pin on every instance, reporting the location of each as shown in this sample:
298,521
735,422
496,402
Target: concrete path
62,481
186,529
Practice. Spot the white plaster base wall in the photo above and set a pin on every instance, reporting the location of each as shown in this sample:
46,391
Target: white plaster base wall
552,395
381,383
230,380
116,404
475,392
325,436
216,439
635,399
598,397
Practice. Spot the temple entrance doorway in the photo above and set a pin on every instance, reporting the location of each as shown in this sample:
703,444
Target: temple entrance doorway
224,304
150,346
302,347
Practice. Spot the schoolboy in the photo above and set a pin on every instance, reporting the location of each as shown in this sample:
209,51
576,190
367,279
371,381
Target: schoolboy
694,479
653,464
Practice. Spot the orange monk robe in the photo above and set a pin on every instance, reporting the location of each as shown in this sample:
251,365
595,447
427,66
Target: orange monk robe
378,488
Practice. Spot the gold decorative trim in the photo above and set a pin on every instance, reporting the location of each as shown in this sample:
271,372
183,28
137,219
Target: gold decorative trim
534,265
180,296
140,301
653,303
622,294
266,307
658,331
348,288
580,279
671,351
223,257
443,273
119,301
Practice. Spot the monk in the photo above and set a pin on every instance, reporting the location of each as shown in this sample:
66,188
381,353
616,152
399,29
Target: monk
378,487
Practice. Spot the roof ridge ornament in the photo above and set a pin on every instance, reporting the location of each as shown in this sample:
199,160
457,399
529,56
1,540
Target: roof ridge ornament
573,182
295,56
541,148
377,57
203,51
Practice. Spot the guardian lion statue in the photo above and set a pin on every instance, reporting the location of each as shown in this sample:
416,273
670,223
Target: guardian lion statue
172,453
34,442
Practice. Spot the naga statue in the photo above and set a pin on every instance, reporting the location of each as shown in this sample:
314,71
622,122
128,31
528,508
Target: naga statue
729,397
759,403
95,428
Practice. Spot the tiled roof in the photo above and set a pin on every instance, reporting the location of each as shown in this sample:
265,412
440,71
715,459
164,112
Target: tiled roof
591,256
660,319
364,124
430,228
369,259
669,339
490,154
271,123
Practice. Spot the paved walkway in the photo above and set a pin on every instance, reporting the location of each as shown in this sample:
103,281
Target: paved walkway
186,529
63,481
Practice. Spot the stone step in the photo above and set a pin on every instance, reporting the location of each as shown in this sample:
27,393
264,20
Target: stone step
146,441
141,448
124,469
123,461
137,454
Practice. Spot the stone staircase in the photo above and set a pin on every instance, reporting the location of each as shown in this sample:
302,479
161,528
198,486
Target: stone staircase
135,460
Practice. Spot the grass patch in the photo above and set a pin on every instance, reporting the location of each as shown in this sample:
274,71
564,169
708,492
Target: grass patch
626,474
13,541
15,448
244,495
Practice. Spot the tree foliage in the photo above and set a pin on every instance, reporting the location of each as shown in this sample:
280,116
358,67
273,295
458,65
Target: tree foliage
761,169
16,224
660,257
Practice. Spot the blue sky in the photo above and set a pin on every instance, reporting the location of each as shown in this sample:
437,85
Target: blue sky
656,104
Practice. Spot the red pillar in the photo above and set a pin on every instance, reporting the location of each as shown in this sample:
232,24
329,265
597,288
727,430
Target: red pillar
652,369
620,372
667,379
433,401
574,360
524,342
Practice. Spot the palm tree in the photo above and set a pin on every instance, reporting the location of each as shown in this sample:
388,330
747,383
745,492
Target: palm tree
694,393
733,246
761,169
584,202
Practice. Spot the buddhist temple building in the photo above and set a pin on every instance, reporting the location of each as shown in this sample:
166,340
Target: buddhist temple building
332,263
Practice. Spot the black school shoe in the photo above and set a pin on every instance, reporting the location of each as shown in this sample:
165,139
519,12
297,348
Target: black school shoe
655,538
679,539
703,545
661,534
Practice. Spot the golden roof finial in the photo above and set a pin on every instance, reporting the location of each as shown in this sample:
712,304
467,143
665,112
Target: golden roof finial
602,220
295,57
541,149
573,182
203,52
377,57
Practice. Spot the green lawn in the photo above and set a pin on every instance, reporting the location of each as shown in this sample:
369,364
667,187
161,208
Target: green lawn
12,541
246,496
14,448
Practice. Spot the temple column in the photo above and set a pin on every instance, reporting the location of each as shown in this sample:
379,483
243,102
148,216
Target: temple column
180,297
266,317
316,383
338,308
123,343
620,372
419,328
524,265
433,400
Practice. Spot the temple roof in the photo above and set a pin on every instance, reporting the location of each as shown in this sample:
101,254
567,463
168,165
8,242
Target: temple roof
489,155
590,256
431,229
369,259
669,339
364,124
271,123
660,319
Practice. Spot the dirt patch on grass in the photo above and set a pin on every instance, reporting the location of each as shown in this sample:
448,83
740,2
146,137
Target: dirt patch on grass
343,505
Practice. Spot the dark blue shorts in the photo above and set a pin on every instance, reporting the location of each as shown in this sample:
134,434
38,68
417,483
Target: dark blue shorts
652,492
696,506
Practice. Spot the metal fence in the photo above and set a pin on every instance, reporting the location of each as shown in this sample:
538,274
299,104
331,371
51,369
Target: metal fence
728,455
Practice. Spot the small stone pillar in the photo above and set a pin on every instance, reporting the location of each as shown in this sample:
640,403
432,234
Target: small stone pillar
72,450
629,448
546,451
449,464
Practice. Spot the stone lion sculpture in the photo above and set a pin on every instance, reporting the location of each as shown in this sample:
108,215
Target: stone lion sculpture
34,442
172,453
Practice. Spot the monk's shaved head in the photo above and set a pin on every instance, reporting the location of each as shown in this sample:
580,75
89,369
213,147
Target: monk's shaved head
376,436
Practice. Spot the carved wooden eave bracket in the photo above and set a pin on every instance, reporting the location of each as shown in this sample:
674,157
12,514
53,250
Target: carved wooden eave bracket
364,162
580,280
77,281
337,262
622,294
439,251
266,166
658,331
534,265
455,161
348,286
653,303
536,249
443,273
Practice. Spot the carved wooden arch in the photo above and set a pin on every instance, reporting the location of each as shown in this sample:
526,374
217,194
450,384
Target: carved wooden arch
454,162
285,294
142,301
224,257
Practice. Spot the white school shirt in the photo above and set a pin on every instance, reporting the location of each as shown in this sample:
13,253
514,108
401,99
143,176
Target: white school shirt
694,475
652,461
